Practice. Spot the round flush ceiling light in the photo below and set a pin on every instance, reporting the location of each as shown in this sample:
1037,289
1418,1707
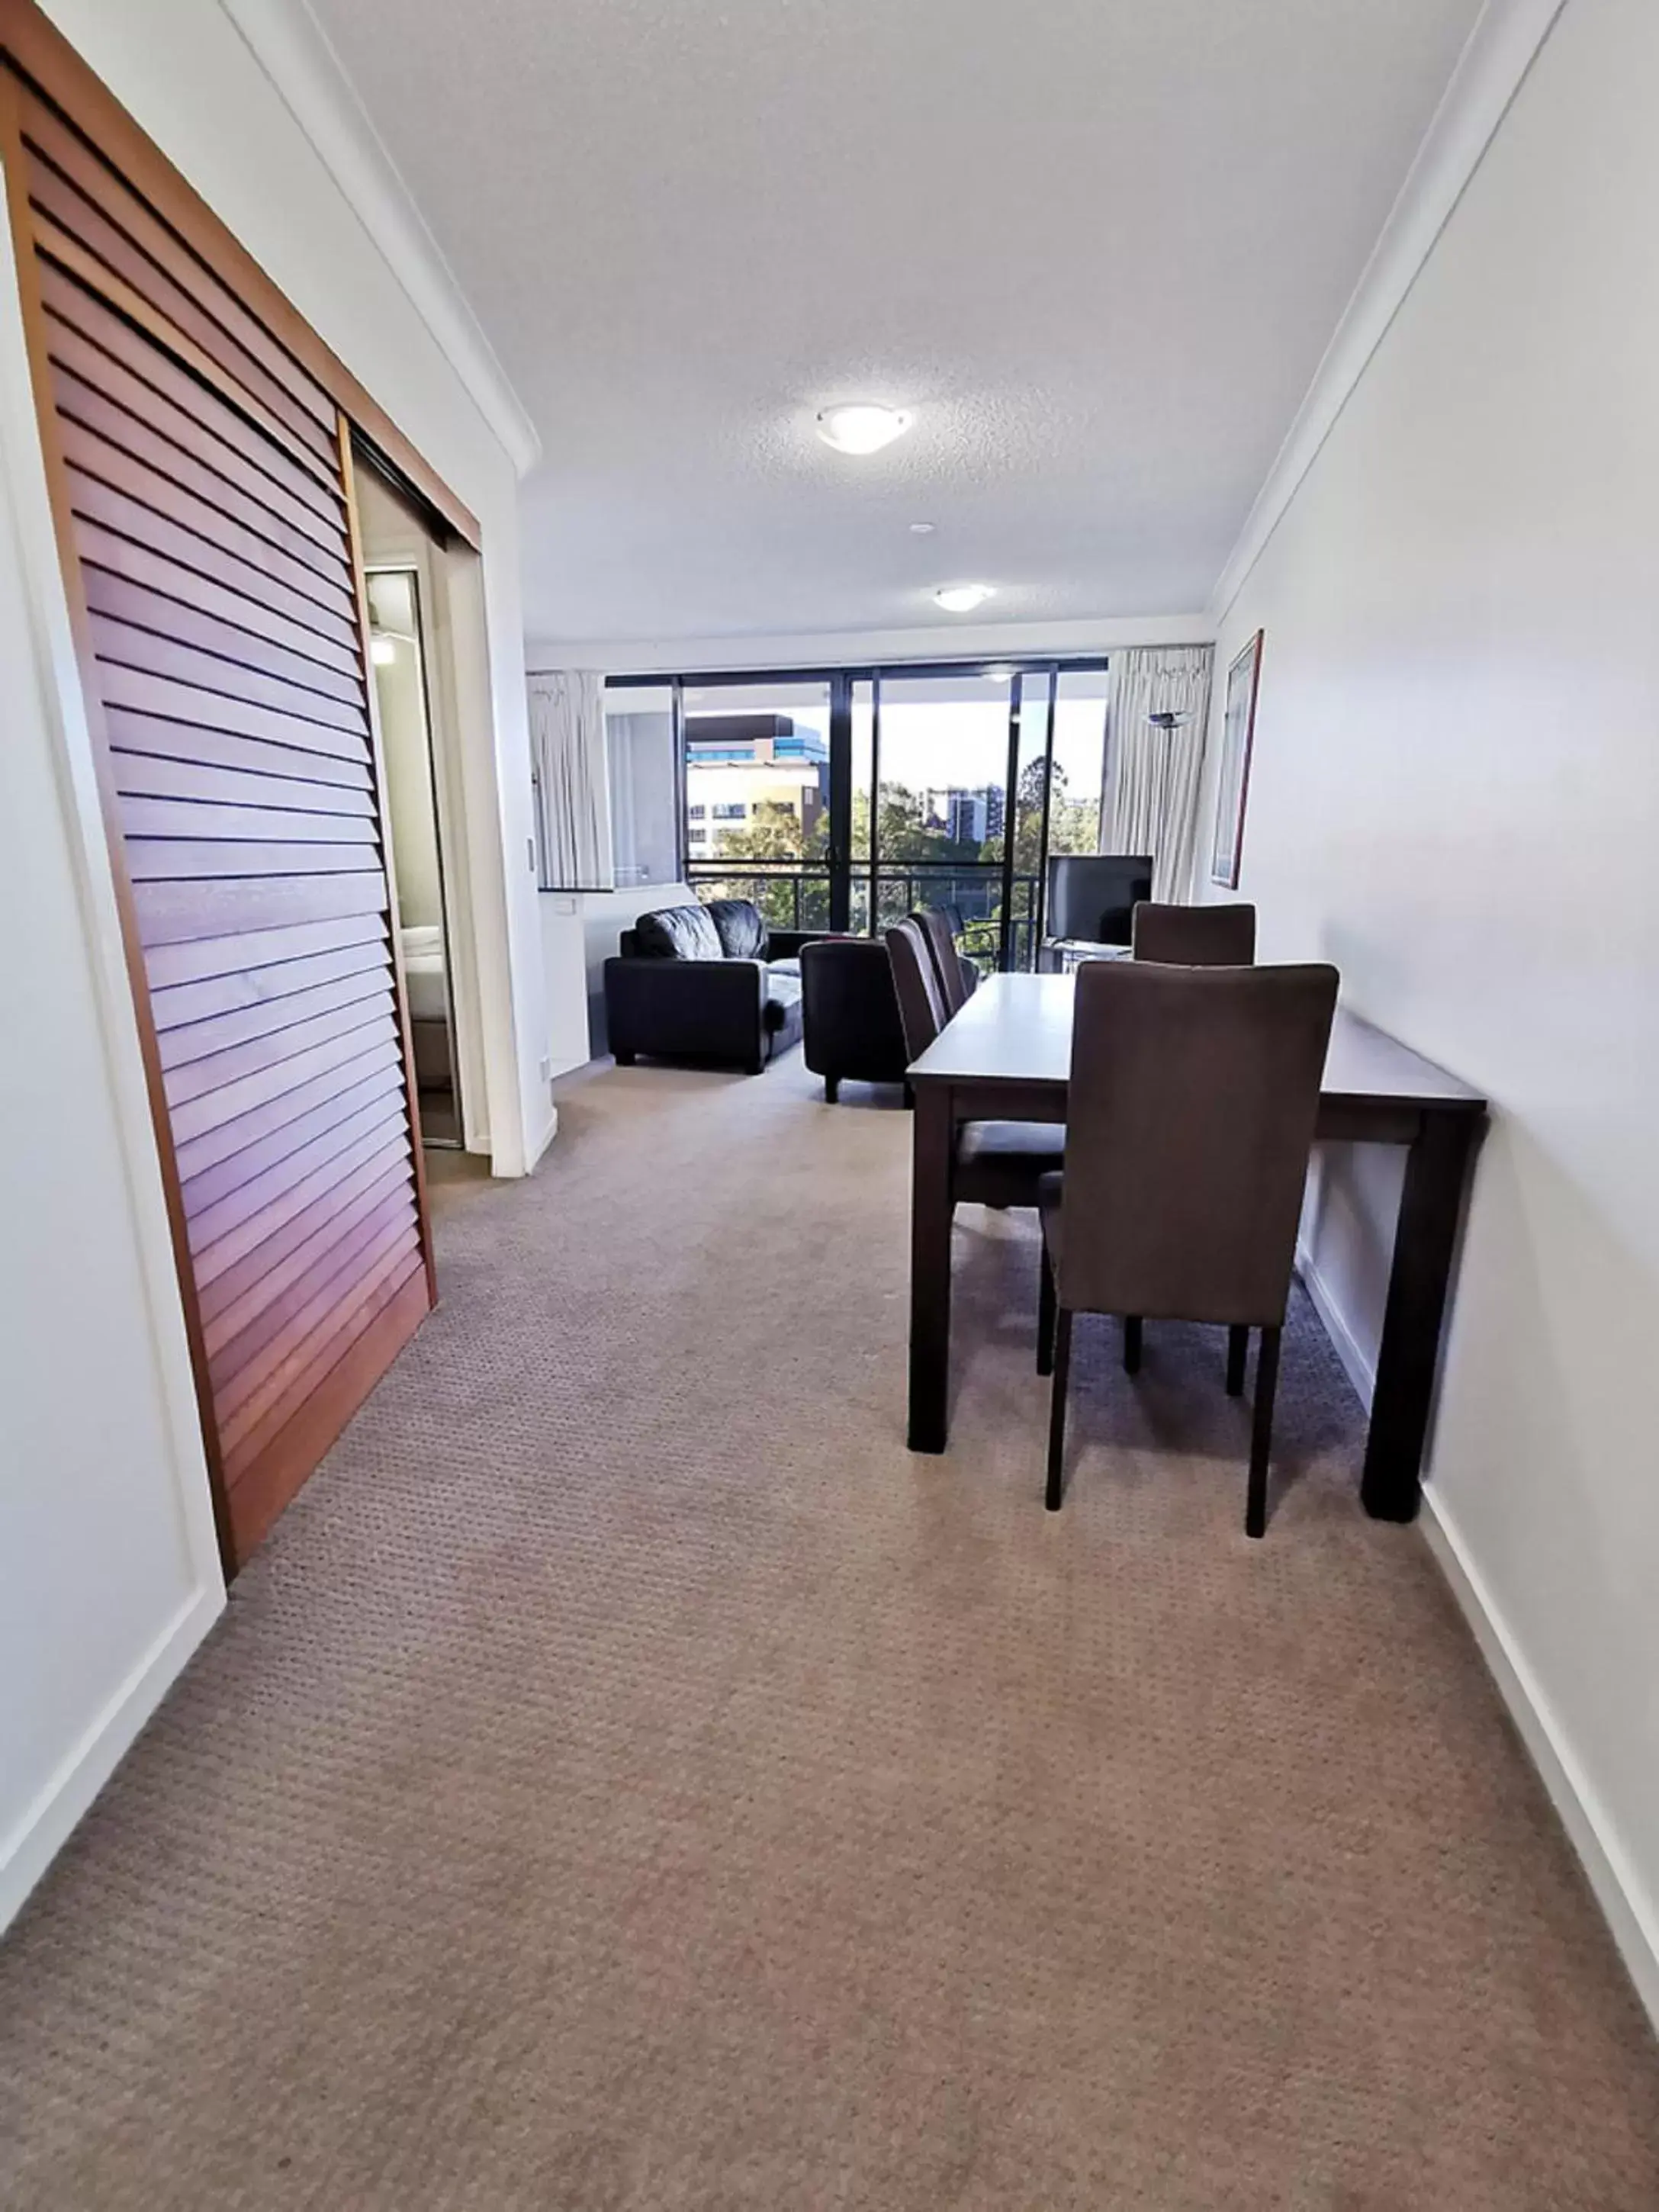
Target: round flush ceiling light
963,598
861,426
922,530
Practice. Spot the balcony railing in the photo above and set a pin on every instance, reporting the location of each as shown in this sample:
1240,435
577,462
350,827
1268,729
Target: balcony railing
796,895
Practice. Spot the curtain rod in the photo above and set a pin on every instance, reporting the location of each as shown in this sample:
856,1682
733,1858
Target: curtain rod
821,672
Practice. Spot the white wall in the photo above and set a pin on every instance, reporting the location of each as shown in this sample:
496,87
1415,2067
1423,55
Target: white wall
269,184
108,1572
565,965
1456,797
582,929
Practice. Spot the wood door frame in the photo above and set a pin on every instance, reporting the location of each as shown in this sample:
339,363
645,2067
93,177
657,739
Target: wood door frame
382,816
35,59
420,551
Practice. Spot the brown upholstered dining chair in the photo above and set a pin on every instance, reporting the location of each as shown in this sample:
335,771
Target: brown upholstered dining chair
923,1010
1189,1118
1194,936
972,938
995,1163
949,972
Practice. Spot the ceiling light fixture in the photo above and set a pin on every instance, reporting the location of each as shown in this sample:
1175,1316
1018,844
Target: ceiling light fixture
862,426
921,528
1000,675
963,598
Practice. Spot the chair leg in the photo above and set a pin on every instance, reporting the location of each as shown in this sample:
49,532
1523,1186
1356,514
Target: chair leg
1238,1347
1261,1433
1045,1313
832,1088
1132,1344
1057,1406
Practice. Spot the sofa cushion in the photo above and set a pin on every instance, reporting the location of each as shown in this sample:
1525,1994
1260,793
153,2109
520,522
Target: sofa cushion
677,932
742,931
783,993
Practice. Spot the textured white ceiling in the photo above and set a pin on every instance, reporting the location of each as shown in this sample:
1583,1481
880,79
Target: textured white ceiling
1097,245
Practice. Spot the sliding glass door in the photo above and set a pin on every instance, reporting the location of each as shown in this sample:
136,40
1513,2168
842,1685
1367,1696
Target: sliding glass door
846,798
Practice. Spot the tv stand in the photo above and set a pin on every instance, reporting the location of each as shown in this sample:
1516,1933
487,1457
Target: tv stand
1060,955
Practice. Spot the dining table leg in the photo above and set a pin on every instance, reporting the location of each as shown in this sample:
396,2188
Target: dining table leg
1424,1244
931,1134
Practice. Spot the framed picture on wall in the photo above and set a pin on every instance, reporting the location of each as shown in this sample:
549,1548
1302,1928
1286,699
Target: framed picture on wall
1233,785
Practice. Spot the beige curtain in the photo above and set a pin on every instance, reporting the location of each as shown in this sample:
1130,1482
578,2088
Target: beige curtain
573,794
1150,803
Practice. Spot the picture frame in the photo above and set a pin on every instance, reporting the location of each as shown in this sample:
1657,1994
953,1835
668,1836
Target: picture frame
1233,781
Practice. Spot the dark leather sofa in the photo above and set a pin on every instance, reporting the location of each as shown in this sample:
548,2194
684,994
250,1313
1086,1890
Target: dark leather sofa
707,983
852,1013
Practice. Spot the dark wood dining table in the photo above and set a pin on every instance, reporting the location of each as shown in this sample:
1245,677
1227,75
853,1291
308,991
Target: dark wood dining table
1007,1056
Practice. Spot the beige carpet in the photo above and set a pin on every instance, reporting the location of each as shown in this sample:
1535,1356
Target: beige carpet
629,1778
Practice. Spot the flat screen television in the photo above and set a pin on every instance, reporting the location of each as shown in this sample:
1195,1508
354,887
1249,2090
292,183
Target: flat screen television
1091,895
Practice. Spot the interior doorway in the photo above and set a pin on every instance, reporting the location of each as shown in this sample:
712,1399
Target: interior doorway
398,662
399,578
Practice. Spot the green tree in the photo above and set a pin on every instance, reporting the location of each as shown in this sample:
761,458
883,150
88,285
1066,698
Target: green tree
915,856
1073,824
905,837
776,835
1034,779
1074,827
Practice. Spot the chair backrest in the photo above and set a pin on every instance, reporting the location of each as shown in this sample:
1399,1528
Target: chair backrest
921,1008
1194,936
935,925
849,1009
1190,1115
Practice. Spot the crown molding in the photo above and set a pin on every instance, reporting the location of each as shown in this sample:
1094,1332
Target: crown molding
292,50
1507,38
854,649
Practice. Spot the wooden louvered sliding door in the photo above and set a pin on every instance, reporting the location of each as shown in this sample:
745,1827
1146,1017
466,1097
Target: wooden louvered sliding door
201,474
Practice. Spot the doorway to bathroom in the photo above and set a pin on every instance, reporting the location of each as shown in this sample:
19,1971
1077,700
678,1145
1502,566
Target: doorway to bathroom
398,579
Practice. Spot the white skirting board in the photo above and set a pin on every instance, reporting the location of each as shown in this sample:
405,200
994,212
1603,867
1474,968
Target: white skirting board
1357,1365
545,1139
1611,1876
1618,1891
51,1819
